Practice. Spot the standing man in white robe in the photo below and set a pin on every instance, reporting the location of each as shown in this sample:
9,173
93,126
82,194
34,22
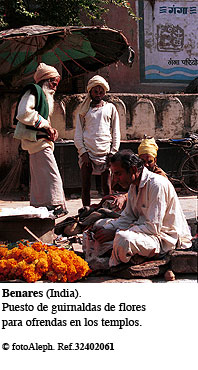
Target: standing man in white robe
33,128
97,136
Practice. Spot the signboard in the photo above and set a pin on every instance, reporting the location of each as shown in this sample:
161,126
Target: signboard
168,41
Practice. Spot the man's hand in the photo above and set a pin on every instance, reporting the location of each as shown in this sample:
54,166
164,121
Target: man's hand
53,133
103,235
85,158
108,159
118,200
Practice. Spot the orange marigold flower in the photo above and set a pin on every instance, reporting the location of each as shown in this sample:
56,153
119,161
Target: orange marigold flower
52,276
42,265
38,246
30,275
14,253
4,268
21,246
3,251
29,254
71,273
55,262
64,279
33,261
23,243
51,247
7,266
12,263
20,268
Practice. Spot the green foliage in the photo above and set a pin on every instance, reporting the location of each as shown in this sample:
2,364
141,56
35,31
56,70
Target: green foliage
17,13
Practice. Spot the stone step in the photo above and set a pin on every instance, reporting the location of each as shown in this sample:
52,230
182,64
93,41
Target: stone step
184,262
181,262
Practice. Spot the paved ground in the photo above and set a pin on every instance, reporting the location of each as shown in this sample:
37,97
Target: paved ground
189,205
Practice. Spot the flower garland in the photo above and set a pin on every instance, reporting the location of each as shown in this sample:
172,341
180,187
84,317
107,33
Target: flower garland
35,261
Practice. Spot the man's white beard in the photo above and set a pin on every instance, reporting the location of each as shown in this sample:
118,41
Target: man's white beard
49,93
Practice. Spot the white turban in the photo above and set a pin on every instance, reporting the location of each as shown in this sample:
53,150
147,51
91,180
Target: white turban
44,72
94,81
98,80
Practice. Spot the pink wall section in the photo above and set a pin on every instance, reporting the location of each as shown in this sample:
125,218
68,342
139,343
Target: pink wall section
124,79
120,77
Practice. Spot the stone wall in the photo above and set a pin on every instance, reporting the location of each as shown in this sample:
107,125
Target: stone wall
8,146
162,116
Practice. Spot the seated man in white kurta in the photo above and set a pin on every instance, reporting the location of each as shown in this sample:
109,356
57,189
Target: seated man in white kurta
152,223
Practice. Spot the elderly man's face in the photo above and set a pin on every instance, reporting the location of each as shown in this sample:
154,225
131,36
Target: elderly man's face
97,93
53,83
122,177
149,161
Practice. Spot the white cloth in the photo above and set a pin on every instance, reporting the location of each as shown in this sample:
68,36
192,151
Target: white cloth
91,248
46,183
100,134
127,243
99,164
27,115
27,211
26,112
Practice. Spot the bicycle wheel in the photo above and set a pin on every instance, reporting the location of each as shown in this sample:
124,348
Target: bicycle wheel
188,172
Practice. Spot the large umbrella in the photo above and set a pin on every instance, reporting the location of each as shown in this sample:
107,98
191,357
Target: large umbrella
77,49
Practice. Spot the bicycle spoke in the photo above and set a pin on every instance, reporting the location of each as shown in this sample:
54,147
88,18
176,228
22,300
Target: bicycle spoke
189,173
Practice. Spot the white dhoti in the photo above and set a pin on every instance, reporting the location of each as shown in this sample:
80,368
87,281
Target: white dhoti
99,163
46,187
127,243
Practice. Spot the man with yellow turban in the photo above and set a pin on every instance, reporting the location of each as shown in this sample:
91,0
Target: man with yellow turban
33,128
97,136
147,151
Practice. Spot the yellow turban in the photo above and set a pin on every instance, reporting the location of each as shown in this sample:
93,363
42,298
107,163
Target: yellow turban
44,72
148,146
94,81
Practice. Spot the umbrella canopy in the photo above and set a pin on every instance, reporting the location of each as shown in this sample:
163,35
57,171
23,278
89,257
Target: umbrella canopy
77,49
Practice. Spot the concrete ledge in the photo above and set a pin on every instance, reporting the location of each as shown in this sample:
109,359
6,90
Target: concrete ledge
184,262
180,262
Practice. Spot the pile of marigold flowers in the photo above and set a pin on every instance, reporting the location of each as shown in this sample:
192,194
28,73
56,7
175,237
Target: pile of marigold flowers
37,261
